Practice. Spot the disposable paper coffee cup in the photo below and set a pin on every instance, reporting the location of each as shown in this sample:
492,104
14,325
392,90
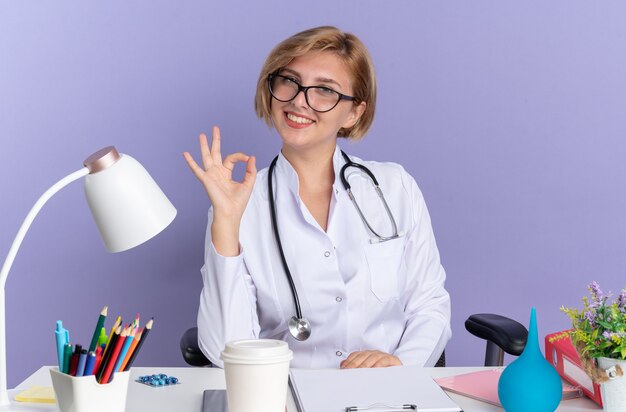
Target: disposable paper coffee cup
256,375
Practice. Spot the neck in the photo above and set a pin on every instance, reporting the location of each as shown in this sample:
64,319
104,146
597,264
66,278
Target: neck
314,168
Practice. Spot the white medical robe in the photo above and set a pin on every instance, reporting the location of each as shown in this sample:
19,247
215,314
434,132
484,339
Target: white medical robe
357,293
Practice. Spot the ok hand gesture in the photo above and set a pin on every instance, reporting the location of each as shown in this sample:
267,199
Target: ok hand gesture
229,197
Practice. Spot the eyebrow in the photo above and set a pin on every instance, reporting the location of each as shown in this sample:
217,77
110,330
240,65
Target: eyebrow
317,79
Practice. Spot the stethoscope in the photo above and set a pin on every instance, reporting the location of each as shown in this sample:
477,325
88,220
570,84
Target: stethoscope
300,327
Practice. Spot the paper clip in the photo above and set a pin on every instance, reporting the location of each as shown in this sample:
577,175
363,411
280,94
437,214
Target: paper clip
382,408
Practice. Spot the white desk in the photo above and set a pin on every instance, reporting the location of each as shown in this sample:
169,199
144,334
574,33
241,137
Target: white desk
187,397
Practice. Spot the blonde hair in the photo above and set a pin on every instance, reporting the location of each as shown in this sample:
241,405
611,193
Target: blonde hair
348,48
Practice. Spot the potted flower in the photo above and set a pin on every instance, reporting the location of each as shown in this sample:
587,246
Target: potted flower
599,335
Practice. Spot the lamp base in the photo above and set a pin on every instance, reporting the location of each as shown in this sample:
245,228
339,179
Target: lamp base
5,402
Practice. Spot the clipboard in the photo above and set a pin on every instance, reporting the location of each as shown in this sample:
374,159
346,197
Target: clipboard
369,390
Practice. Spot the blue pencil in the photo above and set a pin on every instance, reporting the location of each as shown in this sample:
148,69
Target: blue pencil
124,350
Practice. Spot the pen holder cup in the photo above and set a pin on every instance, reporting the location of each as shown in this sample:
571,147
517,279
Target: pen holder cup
84,394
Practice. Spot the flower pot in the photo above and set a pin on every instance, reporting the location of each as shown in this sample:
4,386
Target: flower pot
614,390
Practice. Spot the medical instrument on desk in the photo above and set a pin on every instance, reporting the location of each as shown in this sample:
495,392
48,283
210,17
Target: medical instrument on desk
378,407
299,327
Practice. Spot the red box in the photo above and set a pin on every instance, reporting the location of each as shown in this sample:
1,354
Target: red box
563,356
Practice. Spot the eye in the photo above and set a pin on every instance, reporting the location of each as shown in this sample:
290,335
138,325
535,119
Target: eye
288,80
325,91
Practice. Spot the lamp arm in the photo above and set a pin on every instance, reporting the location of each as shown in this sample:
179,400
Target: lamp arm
4,273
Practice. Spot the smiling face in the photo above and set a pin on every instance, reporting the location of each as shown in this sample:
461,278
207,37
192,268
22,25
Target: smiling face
301,128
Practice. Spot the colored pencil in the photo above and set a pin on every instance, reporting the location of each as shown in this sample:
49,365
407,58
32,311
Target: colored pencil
115,351
133,345
106,356
124,351
144,335
96,332
117,323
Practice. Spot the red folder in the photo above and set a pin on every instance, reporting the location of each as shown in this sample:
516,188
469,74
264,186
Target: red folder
562,354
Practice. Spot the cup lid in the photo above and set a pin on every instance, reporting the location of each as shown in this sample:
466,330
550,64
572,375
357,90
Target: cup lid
256,351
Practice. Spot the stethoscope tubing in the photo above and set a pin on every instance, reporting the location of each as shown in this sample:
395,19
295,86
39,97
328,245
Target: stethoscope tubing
279,244
346,185
299,319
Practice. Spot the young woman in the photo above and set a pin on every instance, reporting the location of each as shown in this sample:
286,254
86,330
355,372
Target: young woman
360,272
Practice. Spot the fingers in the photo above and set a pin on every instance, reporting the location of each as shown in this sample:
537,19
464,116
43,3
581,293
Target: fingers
197,170
351,362
369,359
207,161
214,154
250,175
216,145
212,161
354,360
388,360
233,158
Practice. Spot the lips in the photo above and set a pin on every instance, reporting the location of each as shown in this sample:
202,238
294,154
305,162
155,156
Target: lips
297,121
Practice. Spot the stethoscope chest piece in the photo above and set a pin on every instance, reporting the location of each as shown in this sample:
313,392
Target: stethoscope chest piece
299,328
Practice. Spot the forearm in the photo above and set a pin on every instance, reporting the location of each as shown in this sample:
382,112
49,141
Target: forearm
227,308
426,335
225,234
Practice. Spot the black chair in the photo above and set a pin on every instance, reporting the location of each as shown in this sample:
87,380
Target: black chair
190,350
501,333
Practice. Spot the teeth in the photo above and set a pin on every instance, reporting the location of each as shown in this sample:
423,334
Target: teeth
297,119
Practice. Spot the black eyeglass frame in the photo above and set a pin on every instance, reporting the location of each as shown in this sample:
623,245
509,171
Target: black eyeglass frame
305,90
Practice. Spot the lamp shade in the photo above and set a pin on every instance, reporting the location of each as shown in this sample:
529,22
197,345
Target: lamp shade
128,206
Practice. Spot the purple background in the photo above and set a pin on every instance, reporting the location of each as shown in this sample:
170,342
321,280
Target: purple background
510,115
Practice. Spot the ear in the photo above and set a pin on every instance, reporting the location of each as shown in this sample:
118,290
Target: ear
355,114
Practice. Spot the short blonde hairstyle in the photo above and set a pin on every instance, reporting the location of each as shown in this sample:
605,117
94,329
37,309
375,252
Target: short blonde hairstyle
350,50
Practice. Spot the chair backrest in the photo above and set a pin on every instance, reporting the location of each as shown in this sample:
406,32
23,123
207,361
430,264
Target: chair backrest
190,350
501,333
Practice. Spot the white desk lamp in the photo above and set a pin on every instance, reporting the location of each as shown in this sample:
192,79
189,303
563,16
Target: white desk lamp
128,206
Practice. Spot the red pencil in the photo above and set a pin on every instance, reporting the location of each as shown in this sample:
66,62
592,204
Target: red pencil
113,358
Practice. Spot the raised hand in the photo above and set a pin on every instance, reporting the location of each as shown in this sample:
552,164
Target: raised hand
229,197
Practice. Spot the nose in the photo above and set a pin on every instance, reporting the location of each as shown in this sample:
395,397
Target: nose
300,99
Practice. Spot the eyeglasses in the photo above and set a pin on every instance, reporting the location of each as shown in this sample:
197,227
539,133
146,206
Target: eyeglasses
319,98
